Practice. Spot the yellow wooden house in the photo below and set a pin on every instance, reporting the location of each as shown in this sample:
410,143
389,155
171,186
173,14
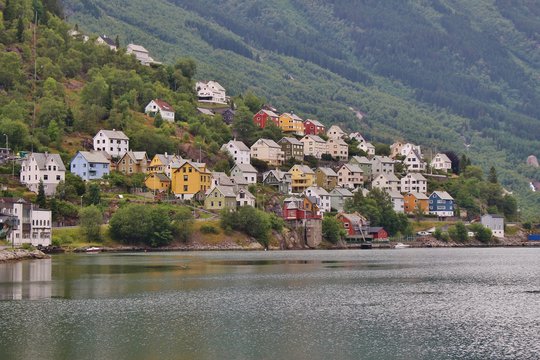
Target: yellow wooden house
302,177
161,163
157,182
190,178
291,124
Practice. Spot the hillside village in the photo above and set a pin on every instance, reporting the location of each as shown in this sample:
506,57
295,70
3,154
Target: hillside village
300,170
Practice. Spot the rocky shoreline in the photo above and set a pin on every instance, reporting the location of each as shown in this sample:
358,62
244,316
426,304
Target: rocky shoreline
21,254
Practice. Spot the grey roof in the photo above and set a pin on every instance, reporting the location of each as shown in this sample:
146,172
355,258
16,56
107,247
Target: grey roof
160,176
315,138
292,116
353,168
239,180
444,157
291,140
495,216
315,122
361,160
205,111
245,168
270,113
304,168
114,134
280,175
394,194
94,157
227,191
327,171
391,177
341,191
318,190
416,176
140,155
166,159
354,218
268,142
384,159
443,195
137,48
43,158
239,145
419,196
222,178
340,141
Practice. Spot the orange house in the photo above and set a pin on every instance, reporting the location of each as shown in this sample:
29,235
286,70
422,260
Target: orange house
413,200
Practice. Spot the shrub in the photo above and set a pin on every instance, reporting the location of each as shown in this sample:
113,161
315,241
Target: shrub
91,220
209,229
332,230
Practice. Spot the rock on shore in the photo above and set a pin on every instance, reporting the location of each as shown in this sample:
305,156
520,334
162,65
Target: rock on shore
21,254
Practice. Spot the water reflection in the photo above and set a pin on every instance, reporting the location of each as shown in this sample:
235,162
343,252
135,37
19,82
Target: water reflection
26,280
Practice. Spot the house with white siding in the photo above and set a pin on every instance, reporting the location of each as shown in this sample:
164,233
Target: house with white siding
338,149
269,151
247,171
238,151
335,132
161,107
386,182
414,182
314,146
350,176
210,92
29,224
321,197
441,162
45,167
113,142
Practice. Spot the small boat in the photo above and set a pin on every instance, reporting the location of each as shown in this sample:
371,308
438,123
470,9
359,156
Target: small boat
93,249
401,246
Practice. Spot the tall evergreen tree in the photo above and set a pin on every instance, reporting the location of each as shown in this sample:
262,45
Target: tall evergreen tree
41,199
20,30
492,177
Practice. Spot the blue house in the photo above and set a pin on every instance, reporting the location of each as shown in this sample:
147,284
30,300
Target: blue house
90,165
441,204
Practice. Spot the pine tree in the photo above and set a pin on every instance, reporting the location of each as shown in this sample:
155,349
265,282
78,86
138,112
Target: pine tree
41,199
158,121
117,42
492,177
109,99
20,30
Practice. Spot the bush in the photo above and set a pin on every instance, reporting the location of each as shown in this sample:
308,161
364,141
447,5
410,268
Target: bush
209,229
91,220
251,221
332,229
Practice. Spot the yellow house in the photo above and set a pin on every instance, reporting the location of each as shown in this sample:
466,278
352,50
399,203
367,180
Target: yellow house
160,163
291,124
190,178
302,177
157,182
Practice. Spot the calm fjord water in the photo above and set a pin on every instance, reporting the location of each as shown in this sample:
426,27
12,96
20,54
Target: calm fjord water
394,304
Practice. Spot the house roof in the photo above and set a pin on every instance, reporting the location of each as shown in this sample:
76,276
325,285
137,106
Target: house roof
166,159
338,141
375,229
291,140
245,168
443,195
336,128
314,122
279,175
416,176
443,157
354,218
205,111
248,194
43,158
495,216
268,142
304,168
238,144
314,138
139,155
327,171
163,105
224,110
384,159
292,116
227,191
353,168
239,180
108,40
361,160
94,157
222,178
341,191
356,135
114,134
394,194
317,190
161,177
269,113
137,48
419,196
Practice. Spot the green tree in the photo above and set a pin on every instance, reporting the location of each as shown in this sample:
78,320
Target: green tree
253,222
93,194
253,102
10,69
492,177
158,120
332,229
183,223
20,30
54,131
91,219
41,199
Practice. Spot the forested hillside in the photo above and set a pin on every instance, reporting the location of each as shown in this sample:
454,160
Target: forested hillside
448,74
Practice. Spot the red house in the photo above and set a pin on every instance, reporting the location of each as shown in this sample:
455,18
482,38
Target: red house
313,127
355,224
378,233
262,117
299,209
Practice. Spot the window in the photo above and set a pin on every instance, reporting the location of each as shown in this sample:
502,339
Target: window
58,177
185,188
185,178
45,177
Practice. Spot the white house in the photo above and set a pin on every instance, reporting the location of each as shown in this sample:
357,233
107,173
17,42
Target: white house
238,151
414,182
27,222
244,198
350,176
163,108
314,146
105,40
495,223
113,142
408,147
211,92
414,162
381,165
267,150
441,162
367,147
386,182
335,132
141,54
45,167
321,196
247,171
357,136
397,201
338,149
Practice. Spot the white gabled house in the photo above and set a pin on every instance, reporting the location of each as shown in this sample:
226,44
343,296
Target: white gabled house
367,147
29,224
357,136
238,151
45,167
381,165
141,54
314,146
414,162
350,176
386,182
162,107
113,142
441,162
244,198
267,150
247,171
338,149
320,197
397,201
335,132
495,223
211,92
414,182
408,147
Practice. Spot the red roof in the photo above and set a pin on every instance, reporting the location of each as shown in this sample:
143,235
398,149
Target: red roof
163,105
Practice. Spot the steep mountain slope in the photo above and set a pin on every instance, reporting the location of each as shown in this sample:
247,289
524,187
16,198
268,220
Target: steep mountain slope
448,74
